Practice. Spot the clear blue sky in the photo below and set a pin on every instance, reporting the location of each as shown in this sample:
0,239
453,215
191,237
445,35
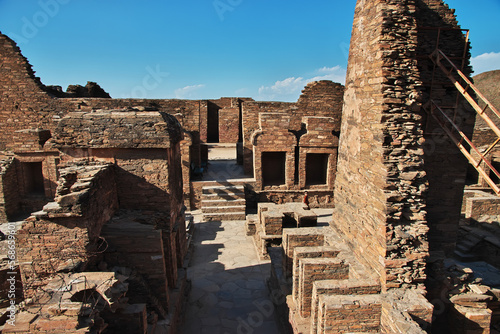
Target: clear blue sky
265,49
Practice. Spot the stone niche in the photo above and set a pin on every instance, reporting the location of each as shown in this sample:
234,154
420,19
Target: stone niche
318,154
274,153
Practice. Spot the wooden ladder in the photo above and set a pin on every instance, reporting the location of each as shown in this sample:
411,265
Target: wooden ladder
464,87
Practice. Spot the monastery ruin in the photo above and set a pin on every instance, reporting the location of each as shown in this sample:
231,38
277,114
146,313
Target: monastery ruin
98,194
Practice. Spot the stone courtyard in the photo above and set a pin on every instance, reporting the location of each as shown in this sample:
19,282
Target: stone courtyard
366,208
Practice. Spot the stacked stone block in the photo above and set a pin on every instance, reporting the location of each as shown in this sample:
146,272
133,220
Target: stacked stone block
122,234
481,206
336,288
349,314
317,269
293,238
329,289
300,253
406,311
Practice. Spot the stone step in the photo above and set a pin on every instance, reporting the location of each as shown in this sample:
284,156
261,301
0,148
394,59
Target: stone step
223,209
223,190
465,256
462,248
232,196
223,202
224,216
469,243
472,238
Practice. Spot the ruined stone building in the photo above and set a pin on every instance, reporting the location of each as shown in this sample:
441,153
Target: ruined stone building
105,185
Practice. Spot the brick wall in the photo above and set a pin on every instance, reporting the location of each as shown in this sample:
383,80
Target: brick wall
250,114
28,140
9,190
380,182
229,125
319,139
177,226
66,234
122,235
349,314
320,98
186,160
317,269
273,136
338,287
23,103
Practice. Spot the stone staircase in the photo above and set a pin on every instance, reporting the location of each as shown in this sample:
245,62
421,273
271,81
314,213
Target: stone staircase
223,203
470,239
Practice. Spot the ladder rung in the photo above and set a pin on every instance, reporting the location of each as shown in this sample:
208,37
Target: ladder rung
484,109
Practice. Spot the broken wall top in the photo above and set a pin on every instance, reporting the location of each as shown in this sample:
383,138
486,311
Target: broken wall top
321,96
10,50
319,132
273,131
117,129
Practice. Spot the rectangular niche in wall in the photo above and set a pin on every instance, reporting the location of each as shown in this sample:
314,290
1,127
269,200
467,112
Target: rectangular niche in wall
33,177
316,168
273,168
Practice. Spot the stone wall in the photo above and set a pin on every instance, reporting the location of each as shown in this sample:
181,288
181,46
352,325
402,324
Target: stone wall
250,113
322,99
380,183
229,119
319,98
28,140
391,188
138,143
9,194
274,137
65,235
24,104
318,139
117,129
122,235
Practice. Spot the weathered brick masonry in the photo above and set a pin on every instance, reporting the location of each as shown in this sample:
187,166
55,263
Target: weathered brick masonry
321,99
65,234
119,173
387,181
9,193
398,184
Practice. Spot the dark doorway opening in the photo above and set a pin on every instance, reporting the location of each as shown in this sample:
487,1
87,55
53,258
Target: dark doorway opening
289,221
213,123
33,178
316,168
273,168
